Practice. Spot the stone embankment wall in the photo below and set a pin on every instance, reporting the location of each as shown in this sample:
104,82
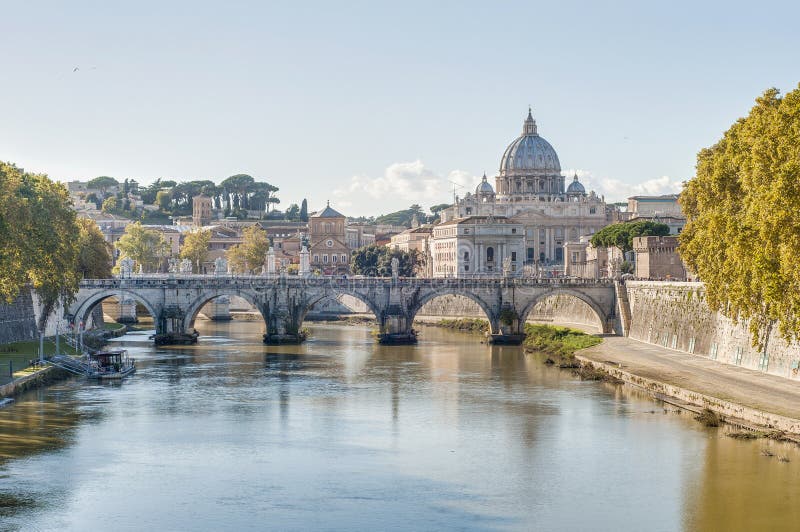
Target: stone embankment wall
562,310
18,320
676,316
566,310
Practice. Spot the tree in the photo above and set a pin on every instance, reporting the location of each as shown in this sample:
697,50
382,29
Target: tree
376,261
195,247
304,211
742,232
250,255
38,236
440,207
293,212
163,200
621,235
94,253
145,246
110,204
102,183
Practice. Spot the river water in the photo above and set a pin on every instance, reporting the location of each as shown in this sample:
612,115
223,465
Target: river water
343,434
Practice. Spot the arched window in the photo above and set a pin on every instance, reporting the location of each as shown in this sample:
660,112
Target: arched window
490,254
466,255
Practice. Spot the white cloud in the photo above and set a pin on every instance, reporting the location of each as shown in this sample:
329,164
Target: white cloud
616,190
401,185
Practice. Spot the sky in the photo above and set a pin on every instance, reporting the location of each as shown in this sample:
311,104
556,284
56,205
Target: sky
379,105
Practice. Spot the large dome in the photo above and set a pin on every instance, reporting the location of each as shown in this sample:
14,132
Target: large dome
530,153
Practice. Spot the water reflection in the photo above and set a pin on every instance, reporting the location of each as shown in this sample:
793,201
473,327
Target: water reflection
341,433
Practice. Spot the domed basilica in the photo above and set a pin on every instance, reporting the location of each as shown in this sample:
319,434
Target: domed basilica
529,192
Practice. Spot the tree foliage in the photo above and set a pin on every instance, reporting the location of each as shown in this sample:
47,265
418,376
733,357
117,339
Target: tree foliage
38,238
145,246
743,228
621,235
304,210
376,261
103,183
195,247
250,255
94,253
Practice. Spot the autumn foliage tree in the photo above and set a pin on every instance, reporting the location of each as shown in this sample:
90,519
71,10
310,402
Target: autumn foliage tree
145,246
195,247
94,253
743,218
38,238
250,255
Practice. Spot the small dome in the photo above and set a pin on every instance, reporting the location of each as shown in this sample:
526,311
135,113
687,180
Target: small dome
575,187
530,153
484,187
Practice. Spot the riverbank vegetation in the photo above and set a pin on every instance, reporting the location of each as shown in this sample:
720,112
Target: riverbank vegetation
558,342
474,325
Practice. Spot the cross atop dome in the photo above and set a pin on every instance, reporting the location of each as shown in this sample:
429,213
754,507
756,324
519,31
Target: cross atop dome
529,128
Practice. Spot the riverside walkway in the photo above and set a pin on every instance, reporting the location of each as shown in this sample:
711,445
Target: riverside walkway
748,388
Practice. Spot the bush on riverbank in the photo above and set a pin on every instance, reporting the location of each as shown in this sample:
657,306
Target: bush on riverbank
560,342
465,324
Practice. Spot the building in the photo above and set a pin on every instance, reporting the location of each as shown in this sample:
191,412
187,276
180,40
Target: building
657,258
477,246
416,239
327,235
201,210
663,209
531,191
583,260
359,235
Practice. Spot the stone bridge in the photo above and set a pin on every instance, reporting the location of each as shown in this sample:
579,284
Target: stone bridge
174,301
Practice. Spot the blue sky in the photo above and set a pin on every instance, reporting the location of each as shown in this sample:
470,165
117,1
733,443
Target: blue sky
379,105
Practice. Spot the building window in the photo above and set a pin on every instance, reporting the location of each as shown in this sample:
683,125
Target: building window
592,210
466,255
513,256
466,267
325,259
513,230
490,254
334,258
466,230
316,258
344,259
469,210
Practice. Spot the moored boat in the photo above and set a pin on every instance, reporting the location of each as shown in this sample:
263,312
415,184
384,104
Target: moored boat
108,365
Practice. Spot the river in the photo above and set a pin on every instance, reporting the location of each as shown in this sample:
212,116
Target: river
344,434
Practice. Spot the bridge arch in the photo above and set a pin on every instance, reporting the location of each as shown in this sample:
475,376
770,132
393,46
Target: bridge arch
82,309
334,293
193,309
432,294
599,313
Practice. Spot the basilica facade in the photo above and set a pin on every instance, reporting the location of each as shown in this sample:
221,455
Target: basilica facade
530,193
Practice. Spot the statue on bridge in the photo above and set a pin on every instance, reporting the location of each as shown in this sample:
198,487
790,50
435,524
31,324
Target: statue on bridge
185,266
395,268
220,266
126,268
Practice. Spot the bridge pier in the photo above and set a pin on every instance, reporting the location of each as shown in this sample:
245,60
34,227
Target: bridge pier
507,328
284,326
170,329
396,329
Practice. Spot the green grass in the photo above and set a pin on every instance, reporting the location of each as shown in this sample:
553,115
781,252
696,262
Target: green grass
465,324
113,326
558,341
21,353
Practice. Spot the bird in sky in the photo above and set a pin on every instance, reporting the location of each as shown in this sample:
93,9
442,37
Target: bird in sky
75,69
